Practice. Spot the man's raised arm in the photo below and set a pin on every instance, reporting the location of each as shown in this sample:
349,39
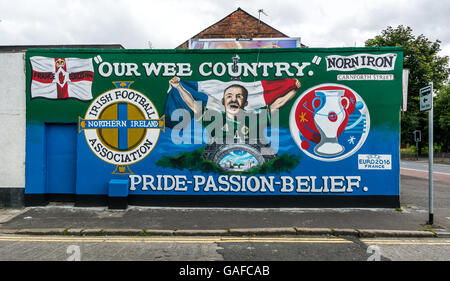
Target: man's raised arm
185,95
281,101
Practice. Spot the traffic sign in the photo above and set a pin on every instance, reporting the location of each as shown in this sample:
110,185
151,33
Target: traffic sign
417,135
426,103
426,99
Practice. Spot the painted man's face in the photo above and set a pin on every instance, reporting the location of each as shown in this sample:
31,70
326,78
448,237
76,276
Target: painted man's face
234,99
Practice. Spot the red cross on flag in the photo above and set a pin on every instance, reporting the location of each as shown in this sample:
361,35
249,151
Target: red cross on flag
61,78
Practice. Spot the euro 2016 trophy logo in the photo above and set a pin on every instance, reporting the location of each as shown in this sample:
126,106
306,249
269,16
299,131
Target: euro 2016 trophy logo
122,126
329,122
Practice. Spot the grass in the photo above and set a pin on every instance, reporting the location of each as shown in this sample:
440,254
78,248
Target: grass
429,230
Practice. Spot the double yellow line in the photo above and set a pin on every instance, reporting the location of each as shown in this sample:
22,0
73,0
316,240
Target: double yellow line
211,240
172,239
405,242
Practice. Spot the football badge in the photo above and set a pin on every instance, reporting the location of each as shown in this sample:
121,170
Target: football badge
329,122
121,126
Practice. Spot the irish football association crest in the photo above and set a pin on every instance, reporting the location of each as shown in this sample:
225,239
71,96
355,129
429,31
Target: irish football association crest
122,126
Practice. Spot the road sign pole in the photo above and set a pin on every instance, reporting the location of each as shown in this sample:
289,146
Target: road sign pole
417,150
430,159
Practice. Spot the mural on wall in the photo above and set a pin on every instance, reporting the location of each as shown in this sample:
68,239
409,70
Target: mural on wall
220,122
325,112
110,133
241,111
244,43
61,78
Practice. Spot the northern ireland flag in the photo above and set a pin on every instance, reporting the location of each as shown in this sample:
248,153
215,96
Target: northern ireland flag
210,93
61,78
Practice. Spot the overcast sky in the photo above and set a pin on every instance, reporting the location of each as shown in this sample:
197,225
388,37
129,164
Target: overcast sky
168,23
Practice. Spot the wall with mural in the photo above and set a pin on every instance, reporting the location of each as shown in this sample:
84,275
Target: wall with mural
288,124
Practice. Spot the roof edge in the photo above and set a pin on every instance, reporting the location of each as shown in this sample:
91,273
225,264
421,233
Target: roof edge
238,9
192,51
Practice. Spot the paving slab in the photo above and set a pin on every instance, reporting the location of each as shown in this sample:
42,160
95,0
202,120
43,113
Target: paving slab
67,220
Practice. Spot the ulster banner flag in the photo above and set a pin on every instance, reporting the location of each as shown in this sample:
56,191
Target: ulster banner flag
61,78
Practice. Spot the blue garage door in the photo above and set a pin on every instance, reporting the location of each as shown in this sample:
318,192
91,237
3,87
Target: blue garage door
61,148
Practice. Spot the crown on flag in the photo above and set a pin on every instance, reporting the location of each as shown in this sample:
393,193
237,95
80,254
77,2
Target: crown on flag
60,63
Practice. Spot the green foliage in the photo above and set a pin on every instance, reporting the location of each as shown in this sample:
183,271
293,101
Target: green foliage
282,163
190,160
442,118
425,65
194,161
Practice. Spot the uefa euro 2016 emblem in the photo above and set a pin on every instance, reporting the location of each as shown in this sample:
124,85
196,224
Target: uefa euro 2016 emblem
121,126
329,122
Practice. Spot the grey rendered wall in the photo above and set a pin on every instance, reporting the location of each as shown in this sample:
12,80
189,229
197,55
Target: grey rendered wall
12,124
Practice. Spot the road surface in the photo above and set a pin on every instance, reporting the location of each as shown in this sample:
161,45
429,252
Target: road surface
441,172
281,248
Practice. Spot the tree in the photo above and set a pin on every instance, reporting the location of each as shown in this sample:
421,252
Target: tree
421,57
442,118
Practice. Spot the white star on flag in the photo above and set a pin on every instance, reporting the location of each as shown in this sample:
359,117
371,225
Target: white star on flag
351,140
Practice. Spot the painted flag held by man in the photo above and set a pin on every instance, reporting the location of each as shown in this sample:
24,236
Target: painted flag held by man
210,94
61,78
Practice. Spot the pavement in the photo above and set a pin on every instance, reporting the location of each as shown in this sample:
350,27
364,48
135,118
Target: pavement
140,221
408,221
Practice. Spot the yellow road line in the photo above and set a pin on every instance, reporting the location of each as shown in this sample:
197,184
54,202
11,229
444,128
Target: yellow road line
406,242
280,238
210,240
172,239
